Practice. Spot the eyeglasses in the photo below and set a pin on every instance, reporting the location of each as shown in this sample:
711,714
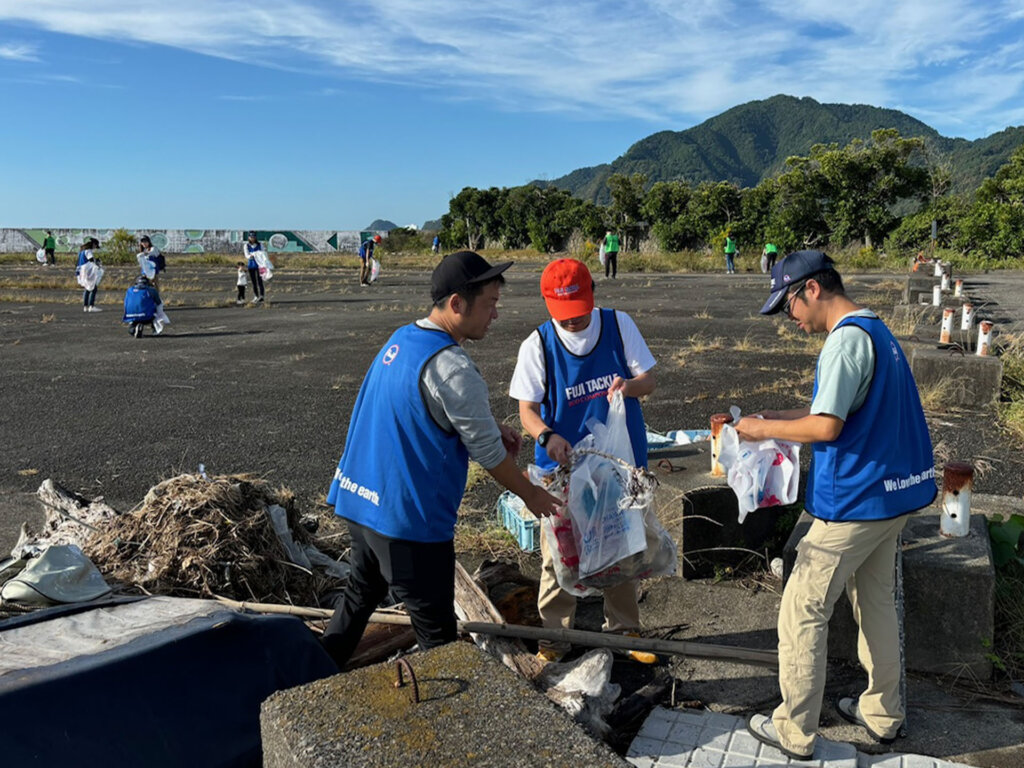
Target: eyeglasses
792,296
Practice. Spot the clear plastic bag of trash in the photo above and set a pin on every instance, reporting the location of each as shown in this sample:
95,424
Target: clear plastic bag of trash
761,474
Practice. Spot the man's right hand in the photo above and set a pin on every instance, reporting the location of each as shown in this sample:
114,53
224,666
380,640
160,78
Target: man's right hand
542,503
559,450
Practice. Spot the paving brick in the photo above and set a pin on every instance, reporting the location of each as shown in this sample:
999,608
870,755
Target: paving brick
643,747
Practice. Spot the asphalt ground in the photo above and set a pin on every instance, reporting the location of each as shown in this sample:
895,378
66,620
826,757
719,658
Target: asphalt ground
269,389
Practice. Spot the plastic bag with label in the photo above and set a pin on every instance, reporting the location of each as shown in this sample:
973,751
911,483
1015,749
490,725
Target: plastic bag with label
609,525
264,264
761,474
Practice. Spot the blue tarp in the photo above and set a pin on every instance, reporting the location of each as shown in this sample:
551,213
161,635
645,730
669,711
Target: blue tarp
186,695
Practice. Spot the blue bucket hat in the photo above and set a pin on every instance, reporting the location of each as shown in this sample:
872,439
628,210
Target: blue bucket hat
795,267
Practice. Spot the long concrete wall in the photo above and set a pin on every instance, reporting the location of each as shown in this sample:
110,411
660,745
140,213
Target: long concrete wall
194,240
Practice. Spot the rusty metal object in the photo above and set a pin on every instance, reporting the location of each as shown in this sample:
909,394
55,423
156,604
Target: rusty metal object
957,486
967,319
958,288
945,334
984,337
401,663
717,420
944,285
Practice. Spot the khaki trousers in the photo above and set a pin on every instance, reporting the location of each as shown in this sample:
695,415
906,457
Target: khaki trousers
860,556
557,607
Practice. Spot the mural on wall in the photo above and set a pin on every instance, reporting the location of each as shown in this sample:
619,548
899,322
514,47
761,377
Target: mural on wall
194,240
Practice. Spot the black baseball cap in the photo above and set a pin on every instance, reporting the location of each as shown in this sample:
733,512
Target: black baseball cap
461,269
795,267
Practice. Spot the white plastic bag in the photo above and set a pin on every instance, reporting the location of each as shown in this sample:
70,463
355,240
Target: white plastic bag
374,270
146,265
41,256
764,474
608,528
764,262
602,255
266,267
90,274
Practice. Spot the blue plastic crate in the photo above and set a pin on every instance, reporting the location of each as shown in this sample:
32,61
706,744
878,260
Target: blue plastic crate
519,521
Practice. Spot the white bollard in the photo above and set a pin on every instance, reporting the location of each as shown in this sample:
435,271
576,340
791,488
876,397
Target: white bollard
958,288
947,326
967,319
944,285
937,296
717,420
957,485
984,337
938,268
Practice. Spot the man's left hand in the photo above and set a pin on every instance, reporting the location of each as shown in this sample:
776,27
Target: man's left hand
511,439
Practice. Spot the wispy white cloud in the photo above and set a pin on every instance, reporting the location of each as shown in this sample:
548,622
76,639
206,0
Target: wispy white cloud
667,61
19,52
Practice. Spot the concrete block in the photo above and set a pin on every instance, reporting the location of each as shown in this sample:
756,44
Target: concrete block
969,380
918,283
948,595
472,712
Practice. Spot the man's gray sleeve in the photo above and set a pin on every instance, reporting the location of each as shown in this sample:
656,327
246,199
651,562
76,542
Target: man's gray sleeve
457,398
846,367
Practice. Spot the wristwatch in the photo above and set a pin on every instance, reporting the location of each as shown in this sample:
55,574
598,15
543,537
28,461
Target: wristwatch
543,437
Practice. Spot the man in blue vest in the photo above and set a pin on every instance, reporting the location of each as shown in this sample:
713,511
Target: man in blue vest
566,373
141,301
871,465
422,412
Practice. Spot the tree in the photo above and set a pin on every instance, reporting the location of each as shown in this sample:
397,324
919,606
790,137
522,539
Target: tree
627,199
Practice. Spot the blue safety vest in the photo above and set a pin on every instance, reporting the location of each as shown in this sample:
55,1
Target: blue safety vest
401,474
577,388
139,304
881,465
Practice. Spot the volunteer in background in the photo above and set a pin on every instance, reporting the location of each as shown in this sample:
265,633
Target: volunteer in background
611,254
250,248
422,412
871,465
580,346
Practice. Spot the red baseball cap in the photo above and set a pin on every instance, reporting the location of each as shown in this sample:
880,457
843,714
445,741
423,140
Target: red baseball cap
567,288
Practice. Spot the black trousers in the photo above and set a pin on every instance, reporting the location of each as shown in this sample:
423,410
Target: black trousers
420,575
257,281
611,263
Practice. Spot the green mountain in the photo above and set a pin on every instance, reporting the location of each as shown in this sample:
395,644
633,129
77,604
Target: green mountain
381,225
751,142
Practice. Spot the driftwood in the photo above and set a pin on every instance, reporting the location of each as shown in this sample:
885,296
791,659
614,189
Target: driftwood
380,642
513,593
727,653
472,605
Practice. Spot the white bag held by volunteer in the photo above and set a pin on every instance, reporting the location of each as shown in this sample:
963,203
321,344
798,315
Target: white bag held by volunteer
763,474
148,267
266,267
602,255
41,256
374,270
609,523
764,262
90,274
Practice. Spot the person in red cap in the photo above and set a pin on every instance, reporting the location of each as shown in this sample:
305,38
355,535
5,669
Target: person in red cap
566,373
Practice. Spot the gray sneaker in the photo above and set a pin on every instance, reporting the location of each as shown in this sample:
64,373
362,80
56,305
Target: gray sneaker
849,709
762,728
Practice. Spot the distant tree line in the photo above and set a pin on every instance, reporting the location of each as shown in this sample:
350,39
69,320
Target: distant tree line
884,191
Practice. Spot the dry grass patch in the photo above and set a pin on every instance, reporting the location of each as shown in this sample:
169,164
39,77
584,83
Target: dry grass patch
797,342
746,344
48,318
699,343
704,314
936,397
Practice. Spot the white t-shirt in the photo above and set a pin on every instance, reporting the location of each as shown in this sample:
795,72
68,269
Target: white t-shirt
528,378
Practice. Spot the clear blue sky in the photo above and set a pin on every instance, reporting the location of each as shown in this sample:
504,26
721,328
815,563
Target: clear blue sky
310,114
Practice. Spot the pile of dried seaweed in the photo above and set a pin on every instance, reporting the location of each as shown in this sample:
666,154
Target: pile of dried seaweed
199,537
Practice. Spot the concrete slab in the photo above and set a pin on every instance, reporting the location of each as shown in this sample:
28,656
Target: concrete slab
967,380
472,712
948,588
